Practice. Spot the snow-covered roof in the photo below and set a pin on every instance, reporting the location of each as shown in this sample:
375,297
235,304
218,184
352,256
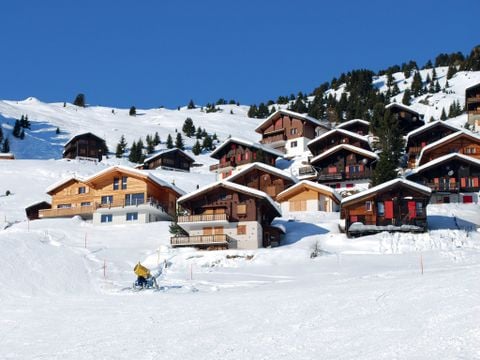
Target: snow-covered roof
165,151
82,134
385,185
401,106
313,185
341,131
293,114
232,186
248,143
442,159
353,121
352,148
62,182
264,167
7,155
430,125
445,140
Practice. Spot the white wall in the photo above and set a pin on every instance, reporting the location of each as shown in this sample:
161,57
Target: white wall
299,149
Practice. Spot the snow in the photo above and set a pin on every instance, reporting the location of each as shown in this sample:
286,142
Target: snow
442,159
341,131
353,121
294,114
165,151
314,185
246,142
348,147
429,125
267,168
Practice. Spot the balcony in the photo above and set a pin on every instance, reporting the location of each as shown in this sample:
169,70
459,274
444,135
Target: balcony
203,217
276,138
67,212
222,166
447,187
201,240
343,175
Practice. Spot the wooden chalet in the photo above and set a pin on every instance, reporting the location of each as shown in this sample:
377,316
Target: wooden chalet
408,119
115,195
289,132
266,178
453,178
308,196
345,164
337,137
169,159
234,152
85,146
32,211
417,139
472,105
357,126
396,205
227,215
7,156
462,142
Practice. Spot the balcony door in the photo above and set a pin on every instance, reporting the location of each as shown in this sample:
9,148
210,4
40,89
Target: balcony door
134,199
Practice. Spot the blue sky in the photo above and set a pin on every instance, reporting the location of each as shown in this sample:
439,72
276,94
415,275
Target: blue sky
164,52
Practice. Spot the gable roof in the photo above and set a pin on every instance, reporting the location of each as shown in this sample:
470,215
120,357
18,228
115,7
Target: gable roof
263,167
442,159
404,107
341,131
430,125
234,187
166,151
348,147
472,87
123,169
323,189
248,143
399,181
83,134
268,120
353,121
446,139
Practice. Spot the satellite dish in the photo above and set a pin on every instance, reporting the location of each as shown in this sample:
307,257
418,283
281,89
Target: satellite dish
450,173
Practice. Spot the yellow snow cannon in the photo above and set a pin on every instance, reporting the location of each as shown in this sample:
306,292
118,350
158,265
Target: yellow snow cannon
145,280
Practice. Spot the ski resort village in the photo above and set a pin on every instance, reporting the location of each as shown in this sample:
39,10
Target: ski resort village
339,224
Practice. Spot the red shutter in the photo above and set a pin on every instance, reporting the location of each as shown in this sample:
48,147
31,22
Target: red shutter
389,209
475,181
353,218
435,181
463,182
411,210
467,199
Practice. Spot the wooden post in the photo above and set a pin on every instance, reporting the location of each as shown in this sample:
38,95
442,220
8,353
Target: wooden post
104,269
421,263
85,240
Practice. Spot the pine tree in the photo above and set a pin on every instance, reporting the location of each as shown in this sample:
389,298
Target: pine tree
57,131
437,86
175,229
16,129
406,97
150,144
22,134
169,142
1,134
132,157
179,142
140,156
79,100
188,128
452,69
197,148
132,111
214,137
391,145
199,133
443,116
156,138
6,146
191,104
252,111
207,143
417,84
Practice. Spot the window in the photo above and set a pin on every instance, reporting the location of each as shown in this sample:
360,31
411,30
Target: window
132,216
293,131
247,155
86,203
124,182
241,229
222,196
107,199
115,183
81,190
134,199
349,186
64,206
368,206
293,144
380,209
419,208
241,209
106,218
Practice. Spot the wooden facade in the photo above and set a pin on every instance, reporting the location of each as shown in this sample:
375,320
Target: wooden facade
264,178
357,126
397,205
236,152
408,119
116,187
86,146
344,162
423,136
337,137
472,105
170,159
452,174
460,142
308,196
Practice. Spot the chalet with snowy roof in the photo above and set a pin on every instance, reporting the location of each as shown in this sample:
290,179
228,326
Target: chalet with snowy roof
7,156
396,205
357,126
289,132
453,178
472,105
408,119
169,159
462,142
337,137
308,196
234,153
417,139
225,215
263,177
32,211
85,146
118,195
345,166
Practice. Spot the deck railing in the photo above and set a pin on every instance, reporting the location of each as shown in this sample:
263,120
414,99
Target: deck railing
67,211
200,240
203,217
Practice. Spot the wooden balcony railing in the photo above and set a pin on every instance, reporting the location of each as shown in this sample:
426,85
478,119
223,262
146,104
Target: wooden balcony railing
274,136
444,186
205,217
343,175
200,240
306,170
222,165
66,212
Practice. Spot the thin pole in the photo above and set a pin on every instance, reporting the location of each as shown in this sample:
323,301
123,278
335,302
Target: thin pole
104,269
85,240
421,263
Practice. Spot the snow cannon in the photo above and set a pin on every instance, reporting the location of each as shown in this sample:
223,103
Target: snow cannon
145,280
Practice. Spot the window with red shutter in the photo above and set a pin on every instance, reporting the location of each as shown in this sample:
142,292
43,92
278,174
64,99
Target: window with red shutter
411,210
388,209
